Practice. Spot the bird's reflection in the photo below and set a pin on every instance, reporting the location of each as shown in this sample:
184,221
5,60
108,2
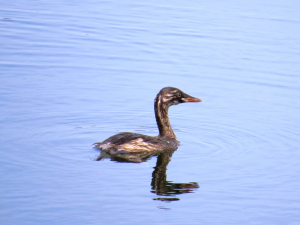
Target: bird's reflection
166,190
128,157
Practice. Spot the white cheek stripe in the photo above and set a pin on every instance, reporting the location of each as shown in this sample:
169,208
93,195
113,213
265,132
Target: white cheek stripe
167,99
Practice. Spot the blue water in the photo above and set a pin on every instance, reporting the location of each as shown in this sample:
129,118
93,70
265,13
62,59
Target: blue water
74,73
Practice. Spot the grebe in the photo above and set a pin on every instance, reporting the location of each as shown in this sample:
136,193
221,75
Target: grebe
131,143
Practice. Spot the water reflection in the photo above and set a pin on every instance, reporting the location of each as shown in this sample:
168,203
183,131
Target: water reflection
167,190
136,157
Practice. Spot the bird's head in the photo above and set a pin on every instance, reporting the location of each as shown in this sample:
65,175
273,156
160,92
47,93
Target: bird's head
173,96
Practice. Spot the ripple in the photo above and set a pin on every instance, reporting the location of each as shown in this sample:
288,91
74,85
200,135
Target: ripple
50,137
237,136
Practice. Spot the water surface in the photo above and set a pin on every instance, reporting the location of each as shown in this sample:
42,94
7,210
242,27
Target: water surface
76,73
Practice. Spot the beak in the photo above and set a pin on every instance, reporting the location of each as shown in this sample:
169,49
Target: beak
191,99
187,98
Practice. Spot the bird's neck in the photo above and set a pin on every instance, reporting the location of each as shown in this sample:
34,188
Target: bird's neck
162,118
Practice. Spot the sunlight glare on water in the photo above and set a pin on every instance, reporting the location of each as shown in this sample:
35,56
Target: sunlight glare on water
73,74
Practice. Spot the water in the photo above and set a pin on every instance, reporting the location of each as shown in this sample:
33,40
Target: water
75,73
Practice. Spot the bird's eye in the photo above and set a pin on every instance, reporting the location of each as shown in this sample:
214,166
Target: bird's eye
179,95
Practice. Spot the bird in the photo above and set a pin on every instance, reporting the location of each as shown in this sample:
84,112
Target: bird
135,143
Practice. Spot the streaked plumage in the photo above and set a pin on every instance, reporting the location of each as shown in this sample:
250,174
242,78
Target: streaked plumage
127,142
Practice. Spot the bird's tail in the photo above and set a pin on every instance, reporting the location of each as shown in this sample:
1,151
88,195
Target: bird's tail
97,145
